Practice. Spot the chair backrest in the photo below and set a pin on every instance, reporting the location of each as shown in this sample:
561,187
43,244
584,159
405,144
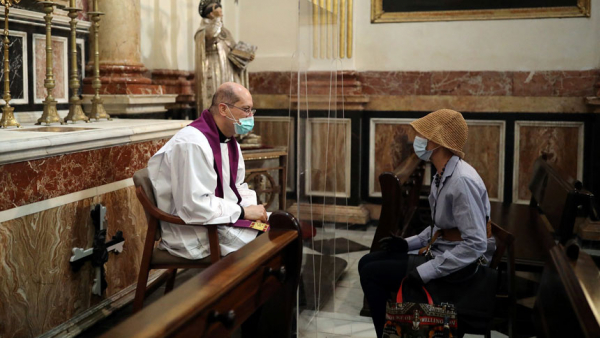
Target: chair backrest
504,239
400,197
557,198
141,178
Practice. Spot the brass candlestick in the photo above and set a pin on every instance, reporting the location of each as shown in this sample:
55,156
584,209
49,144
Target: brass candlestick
50,114
98,111
75,110
8,118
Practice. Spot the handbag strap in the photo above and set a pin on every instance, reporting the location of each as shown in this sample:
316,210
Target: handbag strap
399,296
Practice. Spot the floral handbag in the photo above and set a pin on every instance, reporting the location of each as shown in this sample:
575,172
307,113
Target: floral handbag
419,320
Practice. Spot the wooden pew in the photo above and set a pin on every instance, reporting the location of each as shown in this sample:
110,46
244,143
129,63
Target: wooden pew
555,205
568,300
400,198
221,298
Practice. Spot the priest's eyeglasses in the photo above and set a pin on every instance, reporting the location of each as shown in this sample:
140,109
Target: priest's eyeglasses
248,111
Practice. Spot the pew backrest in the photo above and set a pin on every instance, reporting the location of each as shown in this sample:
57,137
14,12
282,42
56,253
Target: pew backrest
559,199
400,191
568,299
222,297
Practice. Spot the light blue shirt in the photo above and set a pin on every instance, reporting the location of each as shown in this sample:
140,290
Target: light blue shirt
461,201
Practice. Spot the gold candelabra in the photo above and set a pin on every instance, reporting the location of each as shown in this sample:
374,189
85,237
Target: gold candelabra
8,117
50,114
98,112
75,110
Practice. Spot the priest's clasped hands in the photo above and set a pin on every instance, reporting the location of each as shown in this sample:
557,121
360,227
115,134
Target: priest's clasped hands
255,213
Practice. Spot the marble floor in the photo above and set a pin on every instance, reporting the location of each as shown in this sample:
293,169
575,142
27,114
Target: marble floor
340,316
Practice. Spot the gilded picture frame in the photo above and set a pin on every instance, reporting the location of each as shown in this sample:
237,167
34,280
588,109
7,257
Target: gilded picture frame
378,15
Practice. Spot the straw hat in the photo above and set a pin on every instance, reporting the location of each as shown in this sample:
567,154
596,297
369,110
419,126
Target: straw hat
445,127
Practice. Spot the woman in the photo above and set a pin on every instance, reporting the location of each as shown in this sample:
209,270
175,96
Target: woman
460,211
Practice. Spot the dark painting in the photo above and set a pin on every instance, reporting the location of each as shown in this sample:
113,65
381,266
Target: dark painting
80,68
31,5
456,5
15,57
449,10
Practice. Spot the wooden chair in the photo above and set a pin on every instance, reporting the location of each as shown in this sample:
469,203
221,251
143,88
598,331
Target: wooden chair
400,198
505,245
153,258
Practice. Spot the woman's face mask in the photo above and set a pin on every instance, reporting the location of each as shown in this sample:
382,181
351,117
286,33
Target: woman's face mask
243,125
420,146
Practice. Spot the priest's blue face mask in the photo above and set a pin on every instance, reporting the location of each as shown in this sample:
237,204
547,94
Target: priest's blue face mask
420,146
243,125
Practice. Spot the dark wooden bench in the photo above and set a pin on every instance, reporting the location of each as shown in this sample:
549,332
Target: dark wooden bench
568,299
217,301
400,198
554,207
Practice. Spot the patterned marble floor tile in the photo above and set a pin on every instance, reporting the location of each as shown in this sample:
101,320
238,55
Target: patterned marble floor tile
307,334
343,316
363,330
350,279
334,326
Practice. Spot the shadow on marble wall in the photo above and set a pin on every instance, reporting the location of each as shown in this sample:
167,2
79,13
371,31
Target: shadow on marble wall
39,290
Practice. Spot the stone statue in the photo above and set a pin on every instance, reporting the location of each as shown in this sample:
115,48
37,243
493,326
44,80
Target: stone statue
219,58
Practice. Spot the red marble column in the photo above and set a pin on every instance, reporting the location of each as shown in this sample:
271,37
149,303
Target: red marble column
121,69
178,82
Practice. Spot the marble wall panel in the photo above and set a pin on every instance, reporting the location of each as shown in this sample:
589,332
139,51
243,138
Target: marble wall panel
328,154
389,144
555,83
60,68
269,82
84,5
471,83
36,180
487,83
484,150
395,83
18,68
561,141
40,290
278,132
125,213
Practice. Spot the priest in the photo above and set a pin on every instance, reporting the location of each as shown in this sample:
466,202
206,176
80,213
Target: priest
198,175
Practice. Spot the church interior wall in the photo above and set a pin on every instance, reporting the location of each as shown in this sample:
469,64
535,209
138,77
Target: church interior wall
521,84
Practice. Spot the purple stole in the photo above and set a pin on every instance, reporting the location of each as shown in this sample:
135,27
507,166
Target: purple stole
207,126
